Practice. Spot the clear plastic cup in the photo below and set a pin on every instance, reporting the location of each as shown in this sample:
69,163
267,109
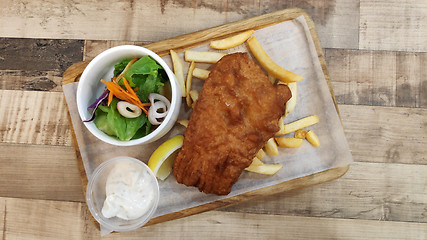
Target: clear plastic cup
95,197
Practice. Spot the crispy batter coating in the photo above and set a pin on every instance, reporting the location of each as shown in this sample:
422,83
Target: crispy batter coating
237,112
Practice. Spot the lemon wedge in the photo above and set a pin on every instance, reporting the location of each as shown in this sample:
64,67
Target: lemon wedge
162,159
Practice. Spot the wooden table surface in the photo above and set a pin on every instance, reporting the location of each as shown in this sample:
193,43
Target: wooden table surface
376,56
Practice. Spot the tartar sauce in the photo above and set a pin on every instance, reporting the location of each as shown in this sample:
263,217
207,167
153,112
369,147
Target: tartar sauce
129,192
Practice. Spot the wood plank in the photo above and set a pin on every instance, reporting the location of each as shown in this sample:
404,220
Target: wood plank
42,219
380,78
371,191
140,21
34,117
411,79
40,172
38,54
386,134
30,80
393,25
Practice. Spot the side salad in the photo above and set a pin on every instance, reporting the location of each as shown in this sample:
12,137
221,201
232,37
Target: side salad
131,104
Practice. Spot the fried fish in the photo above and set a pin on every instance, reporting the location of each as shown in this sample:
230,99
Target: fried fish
236,113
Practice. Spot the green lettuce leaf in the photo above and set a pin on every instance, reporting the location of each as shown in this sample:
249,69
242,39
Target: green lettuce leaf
109,120
145,66
119,67
146,74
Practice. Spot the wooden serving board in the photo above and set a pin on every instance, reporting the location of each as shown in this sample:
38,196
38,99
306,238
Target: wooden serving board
72,74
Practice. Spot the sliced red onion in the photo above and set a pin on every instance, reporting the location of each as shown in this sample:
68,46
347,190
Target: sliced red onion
95,105
158,102
97,101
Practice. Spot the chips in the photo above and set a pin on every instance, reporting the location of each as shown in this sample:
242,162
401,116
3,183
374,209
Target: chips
188,83
281,126
268,169
269,65
183,122
289,142
194,94
271,147
256,162
312,138
200,73
290,105
302,123
205,57
300,134
260,154
179,73
231,41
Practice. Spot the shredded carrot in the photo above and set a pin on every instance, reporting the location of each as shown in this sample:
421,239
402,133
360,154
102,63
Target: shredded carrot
129,95
130,90
110,98
120,93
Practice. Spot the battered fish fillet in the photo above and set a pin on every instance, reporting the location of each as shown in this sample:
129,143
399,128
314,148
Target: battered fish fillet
237,112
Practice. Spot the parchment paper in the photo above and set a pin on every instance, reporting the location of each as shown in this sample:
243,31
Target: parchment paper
290,45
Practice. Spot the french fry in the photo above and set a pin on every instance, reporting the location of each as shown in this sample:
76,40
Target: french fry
200,73
231,41
300,134
179,73
256,162
271,147
290,105
281,125
183,122
194,94
289,142
268,64
268,169
188,83
312,138
301,123
205,57
260,154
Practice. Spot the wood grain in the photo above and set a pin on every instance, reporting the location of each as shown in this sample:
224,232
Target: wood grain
371,191
34,117
43,219
385,134
38,54
40,172
382,196
30,80
138,21
393,25
380,78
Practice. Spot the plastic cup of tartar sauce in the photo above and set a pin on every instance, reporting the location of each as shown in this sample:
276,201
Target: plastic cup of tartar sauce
122,194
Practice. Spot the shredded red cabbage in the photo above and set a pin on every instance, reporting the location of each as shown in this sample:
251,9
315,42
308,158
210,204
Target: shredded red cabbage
95,105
